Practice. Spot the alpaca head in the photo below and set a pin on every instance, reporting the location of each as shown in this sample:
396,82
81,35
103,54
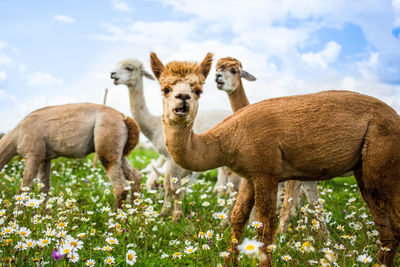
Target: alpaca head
229,73
129,72
181,87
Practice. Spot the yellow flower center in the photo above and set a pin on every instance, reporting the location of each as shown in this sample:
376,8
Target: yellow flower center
73,243
250,247
130,257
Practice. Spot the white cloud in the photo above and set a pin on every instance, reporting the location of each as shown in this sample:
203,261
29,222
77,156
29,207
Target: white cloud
3,76
64,18
120,6
323,58
42,79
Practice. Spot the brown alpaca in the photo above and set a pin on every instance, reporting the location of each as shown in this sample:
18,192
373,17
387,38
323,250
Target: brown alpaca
74,131
229,74
306,137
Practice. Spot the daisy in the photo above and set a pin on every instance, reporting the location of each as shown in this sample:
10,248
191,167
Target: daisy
131,257
250,247
73,257
220,215
205,204
364,258
90,262
256,224
112,241
286,258
224,254
209,234
109,260
24,232
190,249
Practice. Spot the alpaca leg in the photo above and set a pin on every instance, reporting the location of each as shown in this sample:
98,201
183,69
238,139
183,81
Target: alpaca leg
133,176
265,202
118,182
386,221
291,194
240,215
44,174
222,179
32,165
280,196
166,208
310,189
176,188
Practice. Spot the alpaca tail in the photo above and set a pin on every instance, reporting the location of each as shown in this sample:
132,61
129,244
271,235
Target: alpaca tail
133,135
7,149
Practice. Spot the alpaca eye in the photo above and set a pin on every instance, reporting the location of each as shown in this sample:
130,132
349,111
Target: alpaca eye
197,92
129,69
233,71
166,90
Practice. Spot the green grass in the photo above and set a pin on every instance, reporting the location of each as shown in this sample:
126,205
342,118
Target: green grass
82,203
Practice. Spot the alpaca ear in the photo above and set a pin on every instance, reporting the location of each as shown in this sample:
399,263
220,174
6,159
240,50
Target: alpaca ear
248,76
206,64
156,65
147,75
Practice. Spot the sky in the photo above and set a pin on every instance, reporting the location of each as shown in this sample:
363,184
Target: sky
58,52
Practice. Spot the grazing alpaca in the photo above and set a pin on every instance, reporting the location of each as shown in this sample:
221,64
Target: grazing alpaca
229,74
306,137
130,72
74,131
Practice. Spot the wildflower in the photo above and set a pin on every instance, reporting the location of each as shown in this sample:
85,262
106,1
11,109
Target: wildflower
73,257
205,204
24,232
112,241
286,258
256,224
43,242
177,255
203,196
209,234
224,254
221,202
174,180
250,247
66,249
340,227
30,243
364,258
190,249
220,215
271,248
234,240
20,246
307,247
109,260
57,255
90,262
131,257
206,247
164,255
107,248
107,191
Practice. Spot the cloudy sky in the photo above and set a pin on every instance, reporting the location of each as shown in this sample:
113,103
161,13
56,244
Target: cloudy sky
56,52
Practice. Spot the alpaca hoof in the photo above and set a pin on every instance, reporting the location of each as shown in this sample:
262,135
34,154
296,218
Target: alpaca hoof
165,212
177,215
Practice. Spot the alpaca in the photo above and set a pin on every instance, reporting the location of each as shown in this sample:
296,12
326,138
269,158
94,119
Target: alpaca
306,137
74,131
130,72
229,74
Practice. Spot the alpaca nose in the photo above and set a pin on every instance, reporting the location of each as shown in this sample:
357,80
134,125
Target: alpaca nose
183,97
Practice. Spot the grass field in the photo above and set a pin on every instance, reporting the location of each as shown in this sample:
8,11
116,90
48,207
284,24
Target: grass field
78,225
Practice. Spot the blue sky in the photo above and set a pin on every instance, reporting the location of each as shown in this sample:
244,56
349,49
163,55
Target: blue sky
56,52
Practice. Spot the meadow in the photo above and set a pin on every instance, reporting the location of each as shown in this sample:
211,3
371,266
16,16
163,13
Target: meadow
78,225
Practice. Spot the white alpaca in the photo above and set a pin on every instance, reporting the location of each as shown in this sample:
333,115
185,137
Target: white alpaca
130,72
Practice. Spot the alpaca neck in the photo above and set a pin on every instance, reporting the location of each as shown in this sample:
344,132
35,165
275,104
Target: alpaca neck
148,123
195,152
238,98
